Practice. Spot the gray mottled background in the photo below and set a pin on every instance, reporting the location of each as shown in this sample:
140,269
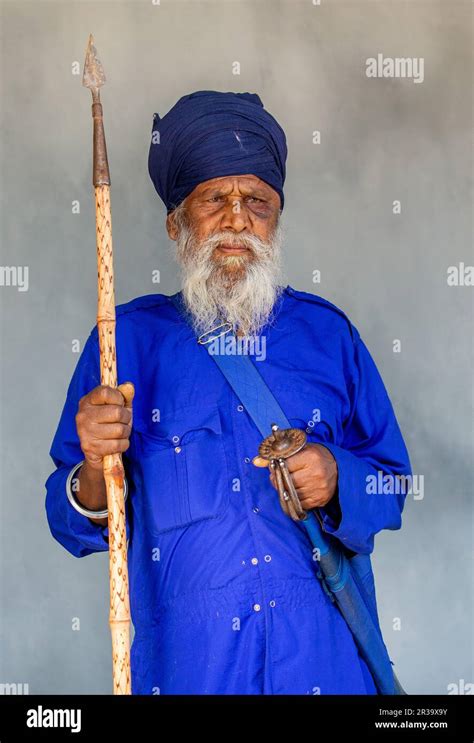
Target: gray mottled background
382,140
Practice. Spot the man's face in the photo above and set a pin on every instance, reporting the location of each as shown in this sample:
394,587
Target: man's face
228,238
238,205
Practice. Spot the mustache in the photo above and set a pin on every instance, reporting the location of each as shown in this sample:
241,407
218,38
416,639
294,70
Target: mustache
247,240
199,251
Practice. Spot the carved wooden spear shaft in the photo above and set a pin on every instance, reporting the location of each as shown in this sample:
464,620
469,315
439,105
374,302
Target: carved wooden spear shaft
119,617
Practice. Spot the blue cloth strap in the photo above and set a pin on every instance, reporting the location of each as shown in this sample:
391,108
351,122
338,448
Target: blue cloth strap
254,394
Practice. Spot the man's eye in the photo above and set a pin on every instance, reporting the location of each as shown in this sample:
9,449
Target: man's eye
215,199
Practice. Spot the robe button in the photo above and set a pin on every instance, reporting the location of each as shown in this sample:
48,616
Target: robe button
240,408
256,607
175,439
177,449
267,558
254,561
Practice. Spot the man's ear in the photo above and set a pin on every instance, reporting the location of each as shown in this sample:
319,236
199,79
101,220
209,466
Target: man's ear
171,227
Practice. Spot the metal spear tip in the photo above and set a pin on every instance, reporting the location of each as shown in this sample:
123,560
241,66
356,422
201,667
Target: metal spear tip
93,76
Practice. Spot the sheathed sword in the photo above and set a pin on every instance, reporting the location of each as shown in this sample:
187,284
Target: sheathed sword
119,616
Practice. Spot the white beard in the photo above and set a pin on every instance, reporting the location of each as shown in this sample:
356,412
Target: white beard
239,289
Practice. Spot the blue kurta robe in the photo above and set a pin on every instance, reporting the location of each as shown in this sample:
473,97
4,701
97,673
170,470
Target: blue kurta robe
223,588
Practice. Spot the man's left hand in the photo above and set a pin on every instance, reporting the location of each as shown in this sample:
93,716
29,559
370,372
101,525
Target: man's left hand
314,474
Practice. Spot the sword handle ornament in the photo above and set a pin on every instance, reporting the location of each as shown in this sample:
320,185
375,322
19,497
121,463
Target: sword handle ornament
276,448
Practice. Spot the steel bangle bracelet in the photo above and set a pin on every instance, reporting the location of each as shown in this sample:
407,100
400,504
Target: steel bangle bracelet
75,504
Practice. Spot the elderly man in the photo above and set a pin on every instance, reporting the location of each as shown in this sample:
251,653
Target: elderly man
223,584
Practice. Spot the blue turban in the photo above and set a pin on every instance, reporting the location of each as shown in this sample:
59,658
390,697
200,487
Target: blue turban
207,135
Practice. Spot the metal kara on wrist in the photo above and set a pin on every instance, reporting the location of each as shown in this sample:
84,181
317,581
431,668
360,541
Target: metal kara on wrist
80,508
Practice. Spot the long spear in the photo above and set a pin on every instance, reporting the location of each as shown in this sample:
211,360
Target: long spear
119,616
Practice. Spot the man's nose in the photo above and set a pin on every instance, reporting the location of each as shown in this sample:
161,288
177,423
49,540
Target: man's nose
235,217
